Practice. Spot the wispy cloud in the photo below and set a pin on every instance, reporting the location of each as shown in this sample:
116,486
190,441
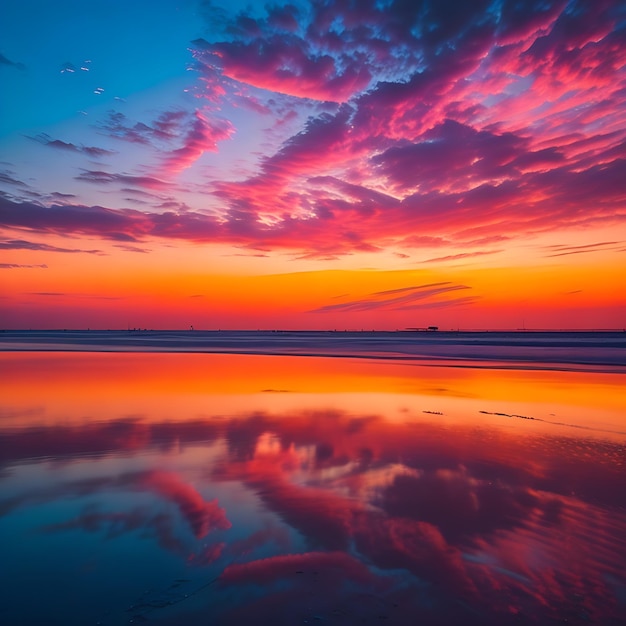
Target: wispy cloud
128,248
62,294
8,177
564,250
202,136
22,244
460,256
13,266
5,61
180,137
99,177
440,304
412,297
91,151
165,128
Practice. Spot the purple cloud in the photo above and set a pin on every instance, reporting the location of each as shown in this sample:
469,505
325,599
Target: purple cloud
165,128
8,177
123,225
169,126
91,151
100,177
429,124
22,244
456,154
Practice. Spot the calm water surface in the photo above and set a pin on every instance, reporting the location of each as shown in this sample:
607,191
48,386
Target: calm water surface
238,489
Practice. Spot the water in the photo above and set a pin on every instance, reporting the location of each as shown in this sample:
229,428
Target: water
580,350
206,488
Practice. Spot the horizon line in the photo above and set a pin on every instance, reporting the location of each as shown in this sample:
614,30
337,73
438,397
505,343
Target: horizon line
411,330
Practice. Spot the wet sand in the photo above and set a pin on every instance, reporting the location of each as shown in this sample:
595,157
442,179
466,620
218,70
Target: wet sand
203,488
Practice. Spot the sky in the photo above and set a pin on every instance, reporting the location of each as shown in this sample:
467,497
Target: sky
332,164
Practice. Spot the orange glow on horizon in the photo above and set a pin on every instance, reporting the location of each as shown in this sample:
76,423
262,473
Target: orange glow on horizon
206,385
95,294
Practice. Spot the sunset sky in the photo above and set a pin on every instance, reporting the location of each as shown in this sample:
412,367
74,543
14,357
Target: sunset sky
316,165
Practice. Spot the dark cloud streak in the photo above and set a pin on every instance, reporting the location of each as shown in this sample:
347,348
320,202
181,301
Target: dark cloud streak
5,61
22,244
388,300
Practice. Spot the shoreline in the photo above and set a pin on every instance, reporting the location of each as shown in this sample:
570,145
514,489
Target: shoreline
566,351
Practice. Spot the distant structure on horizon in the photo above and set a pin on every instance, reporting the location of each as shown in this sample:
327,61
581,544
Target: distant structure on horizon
427,329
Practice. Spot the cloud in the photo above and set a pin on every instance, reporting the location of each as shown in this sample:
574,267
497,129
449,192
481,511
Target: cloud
461,255
91,151
11,266
444,518
57,294
128,248
68,219
100,177
448,150
22,244
455,154
195,133
389,300
62,196
203,136
9,178
115,524
164,129
402,509
564,250
5,61
398,125
207,555
100,439
284,566
258,540
456,504
123,225
201,515
441,304
283,64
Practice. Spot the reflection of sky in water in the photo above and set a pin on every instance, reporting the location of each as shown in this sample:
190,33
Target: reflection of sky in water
187,488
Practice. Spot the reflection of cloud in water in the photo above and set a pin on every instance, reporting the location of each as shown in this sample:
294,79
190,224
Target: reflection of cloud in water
508,525
276,567
158,526
201,515
457,503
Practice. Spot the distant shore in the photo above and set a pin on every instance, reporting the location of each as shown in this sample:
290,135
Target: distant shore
588,350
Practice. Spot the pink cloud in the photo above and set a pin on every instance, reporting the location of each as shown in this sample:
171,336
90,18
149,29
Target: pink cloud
201,515
100,177
207,555
474,122
203,136
281,65
284,566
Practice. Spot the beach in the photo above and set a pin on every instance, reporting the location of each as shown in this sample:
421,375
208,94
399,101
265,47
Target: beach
257,478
